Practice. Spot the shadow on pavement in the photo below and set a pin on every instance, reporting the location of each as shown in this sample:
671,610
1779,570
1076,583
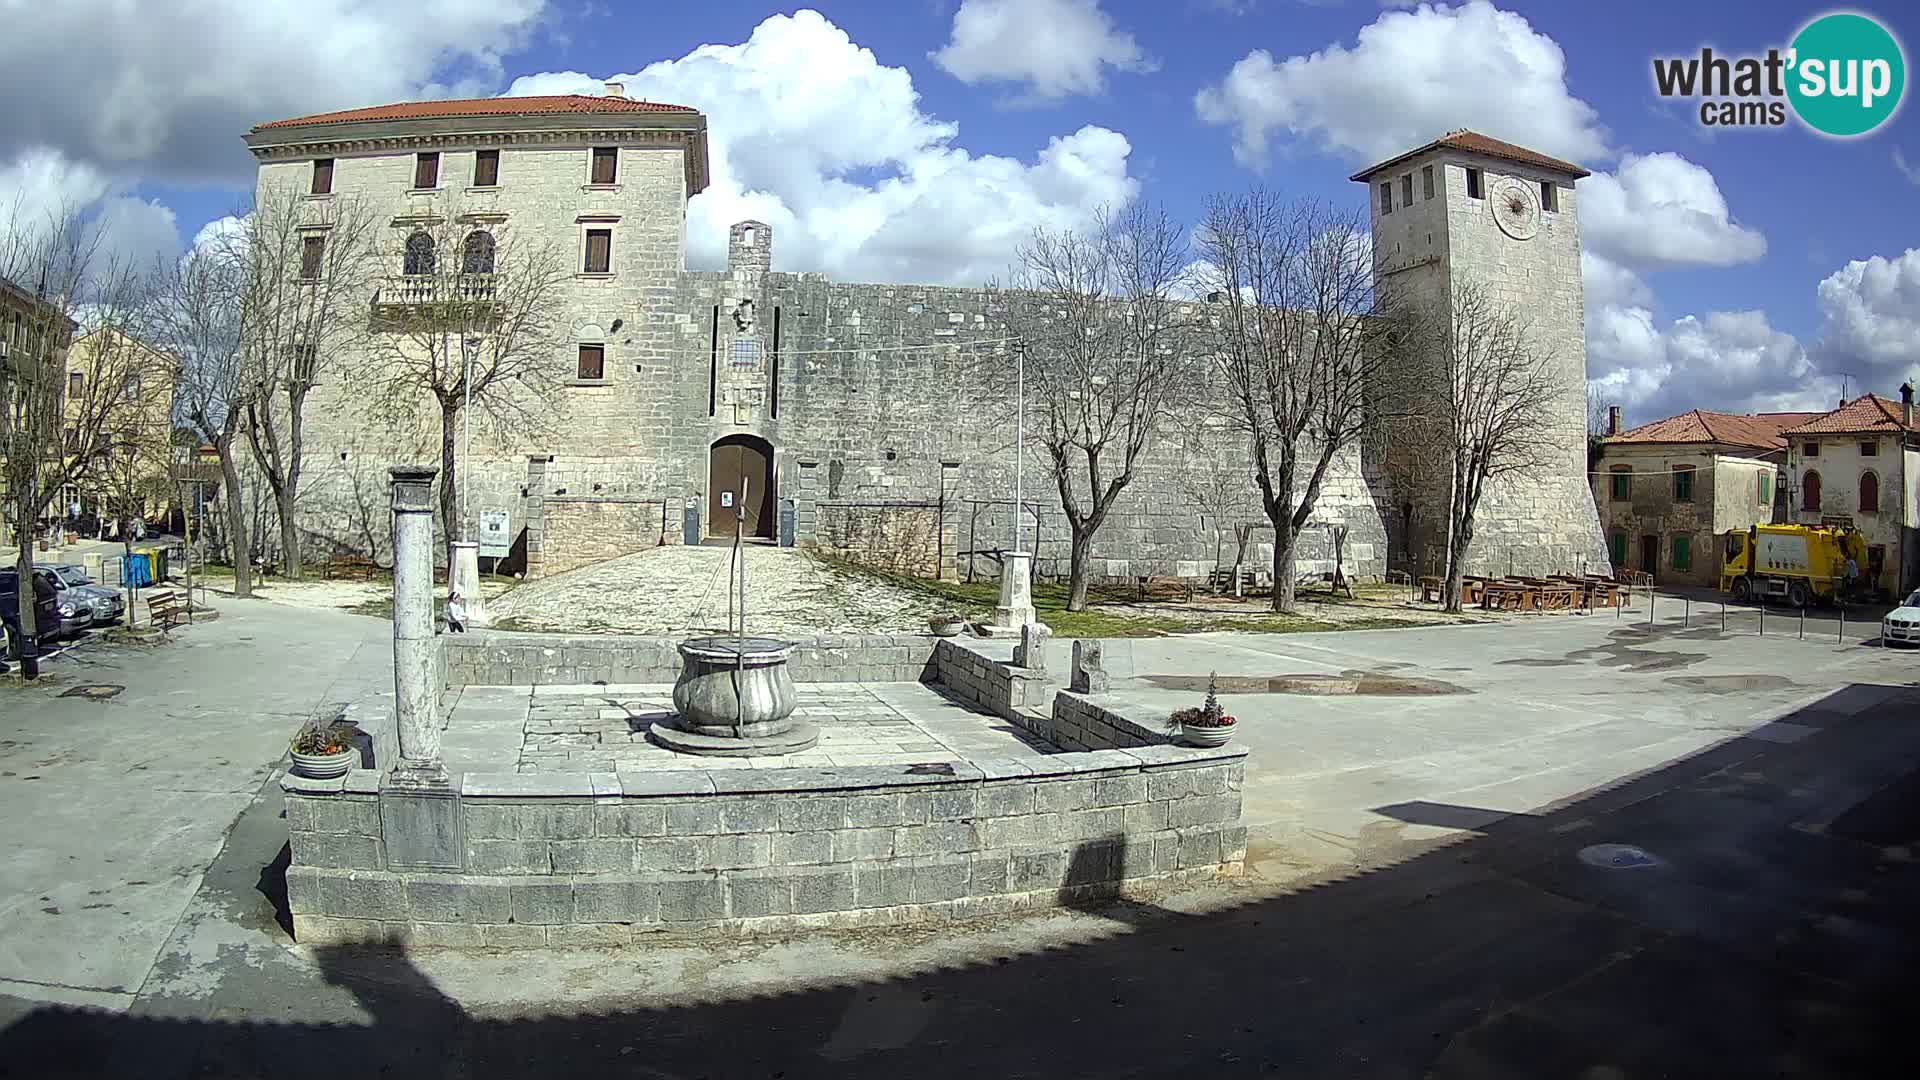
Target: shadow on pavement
1769,932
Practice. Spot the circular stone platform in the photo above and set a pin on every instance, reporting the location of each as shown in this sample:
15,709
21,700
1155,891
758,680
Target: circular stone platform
734,698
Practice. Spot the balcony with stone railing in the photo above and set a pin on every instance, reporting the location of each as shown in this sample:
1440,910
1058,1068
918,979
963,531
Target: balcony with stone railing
405,293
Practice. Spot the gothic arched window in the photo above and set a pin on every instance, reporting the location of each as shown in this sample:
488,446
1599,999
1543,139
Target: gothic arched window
420,257
476,254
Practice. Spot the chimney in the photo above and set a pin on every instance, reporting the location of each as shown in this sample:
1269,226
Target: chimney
1613,419
1906,404
615,89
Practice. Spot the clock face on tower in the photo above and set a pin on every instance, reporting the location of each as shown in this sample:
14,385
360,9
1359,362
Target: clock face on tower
1515,208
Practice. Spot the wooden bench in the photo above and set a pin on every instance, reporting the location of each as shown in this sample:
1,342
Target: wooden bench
352,567
167,608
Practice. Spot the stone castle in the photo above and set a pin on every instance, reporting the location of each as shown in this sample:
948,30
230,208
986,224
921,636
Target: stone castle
843,410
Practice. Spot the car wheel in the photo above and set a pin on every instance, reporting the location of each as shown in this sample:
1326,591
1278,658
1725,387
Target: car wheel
1797,594
11,641
1742,590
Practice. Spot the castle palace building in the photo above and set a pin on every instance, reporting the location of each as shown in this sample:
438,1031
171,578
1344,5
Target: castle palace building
680,405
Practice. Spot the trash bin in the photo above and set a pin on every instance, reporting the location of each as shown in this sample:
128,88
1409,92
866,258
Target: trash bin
139,570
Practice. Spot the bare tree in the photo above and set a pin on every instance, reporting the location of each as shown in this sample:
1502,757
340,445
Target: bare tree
1108,358
196,314
473,321
1298,342
1489,392
55,430
308,265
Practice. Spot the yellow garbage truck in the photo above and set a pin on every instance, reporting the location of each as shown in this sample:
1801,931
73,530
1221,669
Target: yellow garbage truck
1800,564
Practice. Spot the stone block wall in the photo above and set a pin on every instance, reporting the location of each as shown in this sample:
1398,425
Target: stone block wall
997,686
502,658
601,859
578,530
900,538
1079,723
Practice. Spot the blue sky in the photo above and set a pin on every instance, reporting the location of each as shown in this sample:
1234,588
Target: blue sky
917,139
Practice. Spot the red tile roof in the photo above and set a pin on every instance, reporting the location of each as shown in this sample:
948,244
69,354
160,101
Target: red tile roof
1480,144
1866,413
495,106
1761,431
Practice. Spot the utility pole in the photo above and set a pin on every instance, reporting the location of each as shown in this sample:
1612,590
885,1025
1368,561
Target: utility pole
1019,433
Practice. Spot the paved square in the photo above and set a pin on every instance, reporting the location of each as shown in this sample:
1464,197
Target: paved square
604,729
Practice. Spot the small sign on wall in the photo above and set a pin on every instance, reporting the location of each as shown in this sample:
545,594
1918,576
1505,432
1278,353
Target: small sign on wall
496,534
726,498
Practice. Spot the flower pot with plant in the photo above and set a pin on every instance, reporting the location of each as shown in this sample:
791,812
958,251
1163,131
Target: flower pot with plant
1208,725
324,748
946,624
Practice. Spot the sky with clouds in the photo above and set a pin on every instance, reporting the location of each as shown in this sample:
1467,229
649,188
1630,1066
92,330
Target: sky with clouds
919,140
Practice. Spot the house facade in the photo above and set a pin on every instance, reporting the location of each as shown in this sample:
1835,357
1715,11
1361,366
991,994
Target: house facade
1669,490
852,415
34,338
1860,465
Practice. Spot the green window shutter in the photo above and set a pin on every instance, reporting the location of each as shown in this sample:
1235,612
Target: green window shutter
1766,488
1622,485
1683,485
1619,546
1683,553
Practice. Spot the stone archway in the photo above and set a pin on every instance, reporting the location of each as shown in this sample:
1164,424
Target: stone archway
732,460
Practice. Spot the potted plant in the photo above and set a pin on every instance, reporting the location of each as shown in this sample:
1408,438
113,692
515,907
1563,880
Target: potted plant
324,748
946,624
1208,725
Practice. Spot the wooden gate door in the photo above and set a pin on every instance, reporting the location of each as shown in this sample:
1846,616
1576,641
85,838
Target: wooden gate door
1650,555
734,458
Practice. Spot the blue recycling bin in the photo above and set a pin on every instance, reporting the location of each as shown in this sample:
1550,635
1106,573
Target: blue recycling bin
139,570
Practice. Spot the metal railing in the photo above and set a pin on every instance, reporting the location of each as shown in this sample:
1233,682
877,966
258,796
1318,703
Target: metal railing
420,289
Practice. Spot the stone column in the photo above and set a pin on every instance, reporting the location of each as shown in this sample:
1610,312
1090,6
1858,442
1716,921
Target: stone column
416,700
1016,595
464,578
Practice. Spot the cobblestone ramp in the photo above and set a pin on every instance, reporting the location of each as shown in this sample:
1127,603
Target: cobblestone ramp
671,589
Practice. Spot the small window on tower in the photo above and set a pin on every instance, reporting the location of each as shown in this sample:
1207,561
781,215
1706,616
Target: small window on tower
313,251
1426,181
593,363
1406,190
486,168
1473,183
322,176
605,159
1386,197
426,171
746,353
1549,196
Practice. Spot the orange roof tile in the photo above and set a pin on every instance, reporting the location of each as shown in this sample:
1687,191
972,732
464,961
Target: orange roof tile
1758,430
495,106
1480,144
1866,413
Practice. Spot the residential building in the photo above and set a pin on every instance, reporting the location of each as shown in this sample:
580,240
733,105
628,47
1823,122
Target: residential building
1860,465
1667,491
34,336
845,409
136,418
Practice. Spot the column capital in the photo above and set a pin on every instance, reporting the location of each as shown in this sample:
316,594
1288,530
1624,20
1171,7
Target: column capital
413,488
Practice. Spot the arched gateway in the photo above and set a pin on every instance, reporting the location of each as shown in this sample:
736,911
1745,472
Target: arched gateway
734,460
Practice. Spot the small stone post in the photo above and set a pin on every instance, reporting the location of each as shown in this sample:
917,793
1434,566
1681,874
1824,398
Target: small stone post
416,704
1031,653
1016,595
1089,674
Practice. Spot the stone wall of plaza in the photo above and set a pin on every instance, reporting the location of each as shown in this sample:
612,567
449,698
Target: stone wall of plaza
605,858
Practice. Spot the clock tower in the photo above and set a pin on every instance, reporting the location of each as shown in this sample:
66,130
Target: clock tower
1471,208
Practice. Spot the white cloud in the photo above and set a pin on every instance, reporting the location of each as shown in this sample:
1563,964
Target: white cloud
1733,361
1911,172
1410,77
1608,284
170,90
1871,310
1661,210
814,136
136,233
1055,48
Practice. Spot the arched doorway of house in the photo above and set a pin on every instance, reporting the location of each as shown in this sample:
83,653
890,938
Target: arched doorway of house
734,460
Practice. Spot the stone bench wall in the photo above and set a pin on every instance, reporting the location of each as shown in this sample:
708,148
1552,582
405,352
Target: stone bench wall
995,686
562,859
1078,723
506,658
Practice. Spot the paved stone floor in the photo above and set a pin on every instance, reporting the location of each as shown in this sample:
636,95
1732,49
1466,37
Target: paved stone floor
604,729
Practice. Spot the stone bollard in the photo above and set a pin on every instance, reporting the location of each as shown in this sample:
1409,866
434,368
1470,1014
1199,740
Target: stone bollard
1089,668
1016,595
1031,653
416,708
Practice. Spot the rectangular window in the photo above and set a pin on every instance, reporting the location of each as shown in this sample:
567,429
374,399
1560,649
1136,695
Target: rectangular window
1683,552
605,160
323,176
133,387
1683,484
1766,489
746,353
1811,449
312,249
1473,183
76,384
1406,190
1426,182
1386,197
1622,483
1869,449
593,362
486,168
599,251
1549,196
426,171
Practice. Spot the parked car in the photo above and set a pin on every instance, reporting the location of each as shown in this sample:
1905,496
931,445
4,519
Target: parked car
46,610
1902,624
104,605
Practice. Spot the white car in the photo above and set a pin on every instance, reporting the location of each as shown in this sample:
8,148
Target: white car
1902,624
